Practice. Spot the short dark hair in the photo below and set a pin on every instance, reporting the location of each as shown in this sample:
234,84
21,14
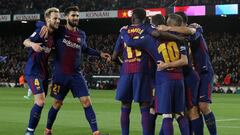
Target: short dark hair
175,19
158,19
71,8
139,13
184,16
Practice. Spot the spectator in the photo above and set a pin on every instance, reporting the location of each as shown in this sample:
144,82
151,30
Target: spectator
224,52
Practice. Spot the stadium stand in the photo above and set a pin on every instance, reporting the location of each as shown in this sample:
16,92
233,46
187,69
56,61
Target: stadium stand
220,46
34,6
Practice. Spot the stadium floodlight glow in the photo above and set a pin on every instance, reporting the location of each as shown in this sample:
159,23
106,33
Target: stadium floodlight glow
226,9
126,13
191,10
24,21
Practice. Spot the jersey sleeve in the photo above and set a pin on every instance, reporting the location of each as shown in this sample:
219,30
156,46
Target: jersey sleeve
133,42
35,37
149,29
40,24
119,44
197,34
183,49
86,49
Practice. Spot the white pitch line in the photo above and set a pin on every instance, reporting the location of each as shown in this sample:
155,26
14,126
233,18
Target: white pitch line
235,127
228,120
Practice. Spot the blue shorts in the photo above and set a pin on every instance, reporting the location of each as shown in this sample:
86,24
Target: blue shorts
205,87
191,81
170,97
62,84
37,85
135,86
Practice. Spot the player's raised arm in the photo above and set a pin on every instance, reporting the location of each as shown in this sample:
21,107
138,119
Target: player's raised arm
117,49
181,29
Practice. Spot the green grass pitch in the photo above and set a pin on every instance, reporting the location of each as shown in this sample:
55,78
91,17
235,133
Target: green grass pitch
14,114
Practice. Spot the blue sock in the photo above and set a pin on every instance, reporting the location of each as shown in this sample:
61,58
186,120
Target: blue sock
167,125
35,115
197,126
161,131
125,112
145,111
152,123
52,114
183,124
211,123
91,117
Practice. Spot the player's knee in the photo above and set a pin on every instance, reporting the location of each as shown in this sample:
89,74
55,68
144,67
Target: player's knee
85,101
126,104
145,104
57,104
193,113
40,102
40,99
204,108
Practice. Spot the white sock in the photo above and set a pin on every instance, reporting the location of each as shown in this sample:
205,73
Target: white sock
29,92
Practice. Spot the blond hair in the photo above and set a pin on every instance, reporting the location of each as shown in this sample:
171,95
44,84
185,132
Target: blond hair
50,10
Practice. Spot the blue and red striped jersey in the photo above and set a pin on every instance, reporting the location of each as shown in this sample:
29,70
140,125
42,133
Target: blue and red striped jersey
134,60
201,59
166,51
70,45
37,63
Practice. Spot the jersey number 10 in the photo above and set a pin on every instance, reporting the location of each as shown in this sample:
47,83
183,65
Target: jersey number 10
170,51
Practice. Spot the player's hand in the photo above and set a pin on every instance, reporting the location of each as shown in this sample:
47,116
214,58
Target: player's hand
36,47
44,32
161,65
105,56
123,28
195,25
163,28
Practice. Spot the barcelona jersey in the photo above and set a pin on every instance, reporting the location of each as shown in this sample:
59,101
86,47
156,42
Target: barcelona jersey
134,59
37,63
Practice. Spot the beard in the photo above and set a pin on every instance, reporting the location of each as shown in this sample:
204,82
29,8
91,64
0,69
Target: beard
73,24
54,27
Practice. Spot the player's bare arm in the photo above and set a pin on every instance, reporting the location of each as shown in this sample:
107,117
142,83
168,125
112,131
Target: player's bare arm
115,58
166,36
182,29
105,56
35,46
179,63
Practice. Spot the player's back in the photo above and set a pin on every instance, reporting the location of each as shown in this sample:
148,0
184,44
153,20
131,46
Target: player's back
136,60
170,51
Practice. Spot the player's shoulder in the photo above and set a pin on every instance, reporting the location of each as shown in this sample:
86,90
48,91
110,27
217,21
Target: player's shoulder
35,35
81,32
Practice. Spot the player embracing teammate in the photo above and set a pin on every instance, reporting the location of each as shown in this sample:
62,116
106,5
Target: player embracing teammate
194,75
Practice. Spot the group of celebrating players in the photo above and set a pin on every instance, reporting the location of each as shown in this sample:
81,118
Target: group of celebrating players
165,67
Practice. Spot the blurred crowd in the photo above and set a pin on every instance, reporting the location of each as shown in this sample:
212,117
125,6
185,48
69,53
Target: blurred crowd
224,49
36,6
